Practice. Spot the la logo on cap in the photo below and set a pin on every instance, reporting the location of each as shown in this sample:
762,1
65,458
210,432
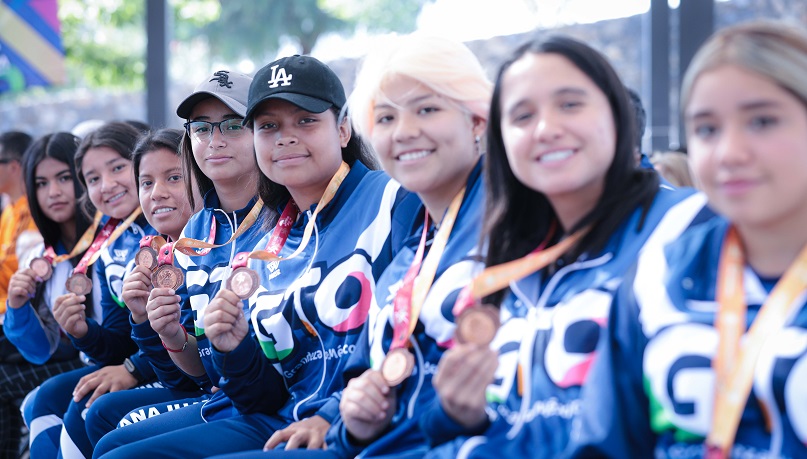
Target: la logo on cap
278,76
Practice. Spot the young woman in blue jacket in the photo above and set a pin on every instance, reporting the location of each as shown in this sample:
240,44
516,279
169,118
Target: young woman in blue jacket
567,211
53,194
707,344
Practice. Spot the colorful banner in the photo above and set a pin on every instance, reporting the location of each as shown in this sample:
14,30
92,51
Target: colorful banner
31,52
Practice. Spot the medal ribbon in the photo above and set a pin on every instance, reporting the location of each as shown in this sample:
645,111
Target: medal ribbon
155,242
166,255
188,245
498,277
279,235
409,300
327,196
96,246
83,242
735,361
110,238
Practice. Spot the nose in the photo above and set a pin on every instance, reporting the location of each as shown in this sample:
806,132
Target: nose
285,138
406,127
216,137
159,191
54,190
107,183
548,128
731,148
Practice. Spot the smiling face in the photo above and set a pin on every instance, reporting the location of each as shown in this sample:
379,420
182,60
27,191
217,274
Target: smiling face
110,182
298,149
162,192
558,129
222,159
747,140
423,140
54,191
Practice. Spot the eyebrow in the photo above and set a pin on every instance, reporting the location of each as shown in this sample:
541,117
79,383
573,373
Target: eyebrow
744,106
58,174
414,101
228,116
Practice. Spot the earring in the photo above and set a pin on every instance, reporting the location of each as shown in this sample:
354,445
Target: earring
477,139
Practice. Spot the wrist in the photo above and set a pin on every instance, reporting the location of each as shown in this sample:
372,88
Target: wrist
139,318
132,369
174,347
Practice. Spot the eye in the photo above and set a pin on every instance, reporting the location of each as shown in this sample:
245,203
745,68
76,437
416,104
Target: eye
175,178
308,120
704,130
91,180
570,105
118,167
266,126
198,127
145,183
65,179
762,122
521,116
233,125
40,183
383,119
428,109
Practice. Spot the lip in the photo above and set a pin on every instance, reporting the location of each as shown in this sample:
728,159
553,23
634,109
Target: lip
413,154
556,155
290,159
166,210
737,186
58,205
116,198
218,159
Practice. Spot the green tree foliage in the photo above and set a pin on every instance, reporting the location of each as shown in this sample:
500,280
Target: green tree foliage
105,40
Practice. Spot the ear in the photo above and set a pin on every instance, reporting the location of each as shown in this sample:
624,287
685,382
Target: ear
344,132
478,125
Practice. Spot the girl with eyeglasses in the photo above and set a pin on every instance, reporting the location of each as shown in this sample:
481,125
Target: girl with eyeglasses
53,190
104,163
217,154
707,343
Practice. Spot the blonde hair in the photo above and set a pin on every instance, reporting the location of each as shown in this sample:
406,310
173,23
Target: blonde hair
674,167
774,50
446,67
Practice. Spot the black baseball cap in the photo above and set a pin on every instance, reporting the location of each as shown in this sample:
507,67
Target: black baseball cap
230,88
302,80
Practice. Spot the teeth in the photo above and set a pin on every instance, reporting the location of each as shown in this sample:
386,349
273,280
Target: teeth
116,196
163,210
414,155
556,156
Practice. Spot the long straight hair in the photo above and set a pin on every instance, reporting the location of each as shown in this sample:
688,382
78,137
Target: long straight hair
517,217
62,147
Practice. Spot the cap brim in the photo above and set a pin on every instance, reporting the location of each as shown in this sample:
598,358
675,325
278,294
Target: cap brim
307,103
186,106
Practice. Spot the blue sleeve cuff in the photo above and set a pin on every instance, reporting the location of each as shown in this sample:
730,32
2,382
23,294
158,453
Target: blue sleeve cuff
240,360
438,427
90,339
330,410
142,365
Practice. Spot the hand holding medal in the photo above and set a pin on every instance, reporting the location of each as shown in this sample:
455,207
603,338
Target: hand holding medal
43,266
146,256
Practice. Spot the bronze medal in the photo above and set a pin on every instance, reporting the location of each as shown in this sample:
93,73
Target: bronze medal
167,276
146,257
243,282
79,284
478,325
42,268
397,366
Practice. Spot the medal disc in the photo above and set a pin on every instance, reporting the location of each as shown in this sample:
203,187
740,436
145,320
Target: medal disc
397,366
146,257
42,267
167,276
478,325
243,282
79,284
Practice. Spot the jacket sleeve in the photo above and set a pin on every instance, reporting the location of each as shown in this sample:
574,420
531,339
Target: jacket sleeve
438,427
249,379
111,343
616,421
27,332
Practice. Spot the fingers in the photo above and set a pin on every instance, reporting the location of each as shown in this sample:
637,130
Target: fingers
277,438
86,384
366,398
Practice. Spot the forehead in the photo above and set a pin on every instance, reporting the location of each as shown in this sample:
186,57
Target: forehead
211,108
543,74
400,89
50,166
732,87
98,156
157,160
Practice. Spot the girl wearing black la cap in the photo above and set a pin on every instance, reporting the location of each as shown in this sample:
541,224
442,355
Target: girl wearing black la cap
341,225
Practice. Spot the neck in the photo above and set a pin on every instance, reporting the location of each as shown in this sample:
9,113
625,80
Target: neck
68,231
235,195
16,191
571,208
771,249
437,204
305,198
